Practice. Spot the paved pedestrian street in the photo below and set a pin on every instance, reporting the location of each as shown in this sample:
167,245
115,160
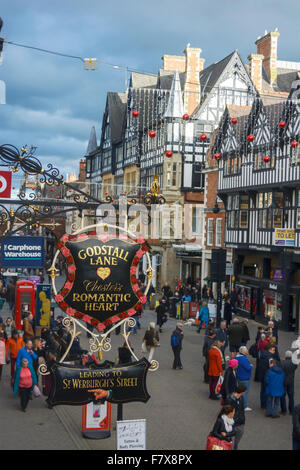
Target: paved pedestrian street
179,414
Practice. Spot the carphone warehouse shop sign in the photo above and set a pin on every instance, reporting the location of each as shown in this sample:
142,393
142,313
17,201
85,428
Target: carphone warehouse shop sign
22,252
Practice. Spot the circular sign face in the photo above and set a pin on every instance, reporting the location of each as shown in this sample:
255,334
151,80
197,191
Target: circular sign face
101,286
3,184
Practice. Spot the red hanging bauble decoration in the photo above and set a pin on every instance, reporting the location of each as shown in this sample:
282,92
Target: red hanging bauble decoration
250,138
266,159
169,153
135,113
294,144
185,117
203,137
233,120
152,134
217,156
281,124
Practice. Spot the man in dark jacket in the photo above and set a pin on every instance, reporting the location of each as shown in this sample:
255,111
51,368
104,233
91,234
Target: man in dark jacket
176,343
221,335
263,367
289,371
227,312
237,401
161,313
296,428
233,299
246,336
236,334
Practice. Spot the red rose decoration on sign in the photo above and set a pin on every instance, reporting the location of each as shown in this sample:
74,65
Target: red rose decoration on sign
101,286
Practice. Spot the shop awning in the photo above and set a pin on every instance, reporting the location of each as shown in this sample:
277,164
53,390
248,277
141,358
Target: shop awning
188,250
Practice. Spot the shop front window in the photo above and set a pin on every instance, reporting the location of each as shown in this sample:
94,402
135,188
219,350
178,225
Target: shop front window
243,298
272,305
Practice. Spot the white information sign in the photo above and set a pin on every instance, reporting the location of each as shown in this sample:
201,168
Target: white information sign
131,434
212,310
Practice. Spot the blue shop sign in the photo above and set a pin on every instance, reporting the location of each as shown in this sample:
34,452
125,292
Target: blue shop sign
22,252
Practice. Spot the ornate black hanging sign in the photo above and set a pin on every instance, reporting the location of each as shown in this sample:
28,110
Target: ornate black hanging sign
73,385
101,286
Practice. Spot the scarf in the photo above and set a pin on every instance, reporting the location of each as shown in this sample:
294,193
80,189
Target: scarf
228,423
222,358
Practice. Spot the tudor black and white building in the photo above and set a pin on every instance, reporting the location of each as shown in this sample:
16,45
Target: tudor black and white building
155,127
259,183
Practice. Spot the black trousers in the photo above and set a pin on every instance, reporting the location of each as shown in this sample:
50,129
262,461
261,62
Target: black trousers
177,360
1,367
24,397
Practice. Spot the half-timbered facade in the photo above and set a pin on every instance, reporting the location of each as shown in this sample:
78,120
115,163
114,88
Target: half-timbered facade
259,182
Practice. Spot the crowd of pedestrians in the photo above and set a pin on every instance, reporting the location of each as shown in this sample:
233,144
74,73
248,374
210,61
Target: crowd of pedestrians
227,359
229,377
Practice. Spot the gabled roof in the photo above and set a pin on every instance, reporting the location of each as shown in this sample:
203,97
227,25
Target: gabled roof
143,80
116,108
175,102
92,145
211,76
165,79
260,120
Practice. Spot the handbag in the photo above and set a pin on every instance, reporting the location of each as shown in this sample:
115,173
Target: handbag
36,391
219,385
214,443
155,342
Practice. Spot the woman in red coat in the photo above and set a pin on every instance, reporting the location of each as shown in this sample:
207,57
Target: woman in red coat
215,369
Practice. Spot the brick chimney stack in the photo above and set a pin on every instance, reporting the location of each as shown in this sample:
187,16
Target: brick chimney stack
255,69
82,172
267,46
192,65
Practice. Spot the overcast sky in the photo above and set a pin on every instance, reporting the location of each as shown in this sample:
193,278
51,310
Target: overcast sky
52,102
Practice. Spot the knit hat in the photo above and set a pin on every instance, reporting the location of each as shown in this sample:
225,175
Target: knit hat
233,363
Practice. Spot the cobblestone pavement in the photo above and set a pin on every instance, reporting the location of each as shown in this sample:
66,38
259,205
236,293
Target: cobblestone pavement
179,414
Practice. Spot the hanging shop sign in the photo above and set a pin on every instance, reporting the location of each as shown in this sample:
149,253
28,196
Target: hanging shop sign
73,385
101,286
22,252
284,237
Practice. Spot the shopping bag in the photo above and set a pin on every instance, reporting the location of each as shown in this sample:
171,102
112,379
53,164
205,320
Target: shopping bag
219,385
36,391
144,347
214,443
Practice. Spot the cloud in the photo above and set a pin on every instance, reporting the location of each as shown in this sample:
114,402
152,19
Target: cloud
53,103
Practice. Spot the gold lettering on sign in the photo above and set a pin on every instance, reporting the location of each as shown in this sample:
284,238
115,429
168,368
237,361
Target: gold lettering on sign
106,255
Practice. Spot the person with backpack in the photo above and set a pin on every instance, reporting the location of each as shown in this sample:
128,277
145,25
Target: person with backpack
176,343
